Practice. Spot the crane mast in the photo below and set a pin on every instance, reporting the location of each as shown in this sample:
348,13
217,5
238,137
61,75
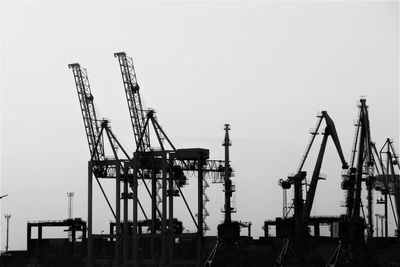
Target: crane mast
90,121
227,177
352,249
362,159
136,111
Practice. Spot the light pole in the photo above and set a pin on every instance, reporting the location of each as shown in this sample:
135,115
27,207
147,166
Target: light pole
7,216
70,196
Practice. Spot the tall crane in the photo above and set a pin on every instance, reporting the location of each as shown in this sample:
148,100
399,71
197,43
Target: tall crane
138,117
165,164
141,120
299,247
361,159
99,165
330,130
362,168
94,129
391,182
352,249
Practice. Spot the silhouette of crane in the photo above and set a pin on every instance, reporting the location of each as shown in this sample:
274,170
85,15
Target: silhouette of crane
142,119
352,249
299,247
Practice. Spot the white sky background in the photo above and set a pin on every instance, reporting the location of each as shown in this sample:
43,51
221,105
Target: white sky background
264,67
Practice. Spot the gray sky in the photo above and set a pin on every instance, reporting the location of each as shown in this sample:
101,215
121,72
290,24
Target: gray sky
264,67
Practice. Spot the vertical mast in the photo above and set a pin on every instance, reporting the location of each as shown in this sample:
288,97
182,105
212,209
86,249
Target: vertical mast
70,196
227,181
7,216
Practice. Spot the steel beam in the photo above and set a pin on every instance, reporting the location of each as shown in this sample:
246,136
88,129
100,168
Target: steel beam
90,214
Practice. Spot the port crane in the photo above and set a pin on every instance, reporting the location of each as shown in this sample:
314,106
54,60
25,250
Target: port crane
138,117
141,118
388,182
298,247
101,166
382,178
94,129
163,166
352,249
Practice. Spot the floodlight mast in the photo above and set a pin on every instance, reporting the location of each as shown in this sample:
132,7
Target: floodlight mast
7,216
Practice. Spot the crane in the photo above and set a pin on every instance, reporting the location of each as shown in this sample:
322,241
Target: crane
141,119
361,158
99,165
148,163
299,246
352,249
3,196
391,182
94,129
330,130
93,126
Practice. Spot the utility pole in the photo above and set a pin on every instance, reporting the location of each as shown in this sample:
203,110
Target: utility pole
7,216
70,196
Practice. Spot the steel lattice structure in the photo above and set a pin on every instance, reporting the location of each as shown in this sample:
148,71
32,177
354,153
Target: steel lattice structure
136,111
90,121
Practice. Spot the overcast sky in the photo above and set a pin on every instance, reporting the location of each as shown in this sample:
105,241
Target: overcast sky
266,68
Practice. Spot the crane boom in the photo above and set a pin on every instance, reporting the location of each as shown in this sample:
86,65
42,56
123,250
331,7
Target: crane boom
90,121
300,245
330,130
136,111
